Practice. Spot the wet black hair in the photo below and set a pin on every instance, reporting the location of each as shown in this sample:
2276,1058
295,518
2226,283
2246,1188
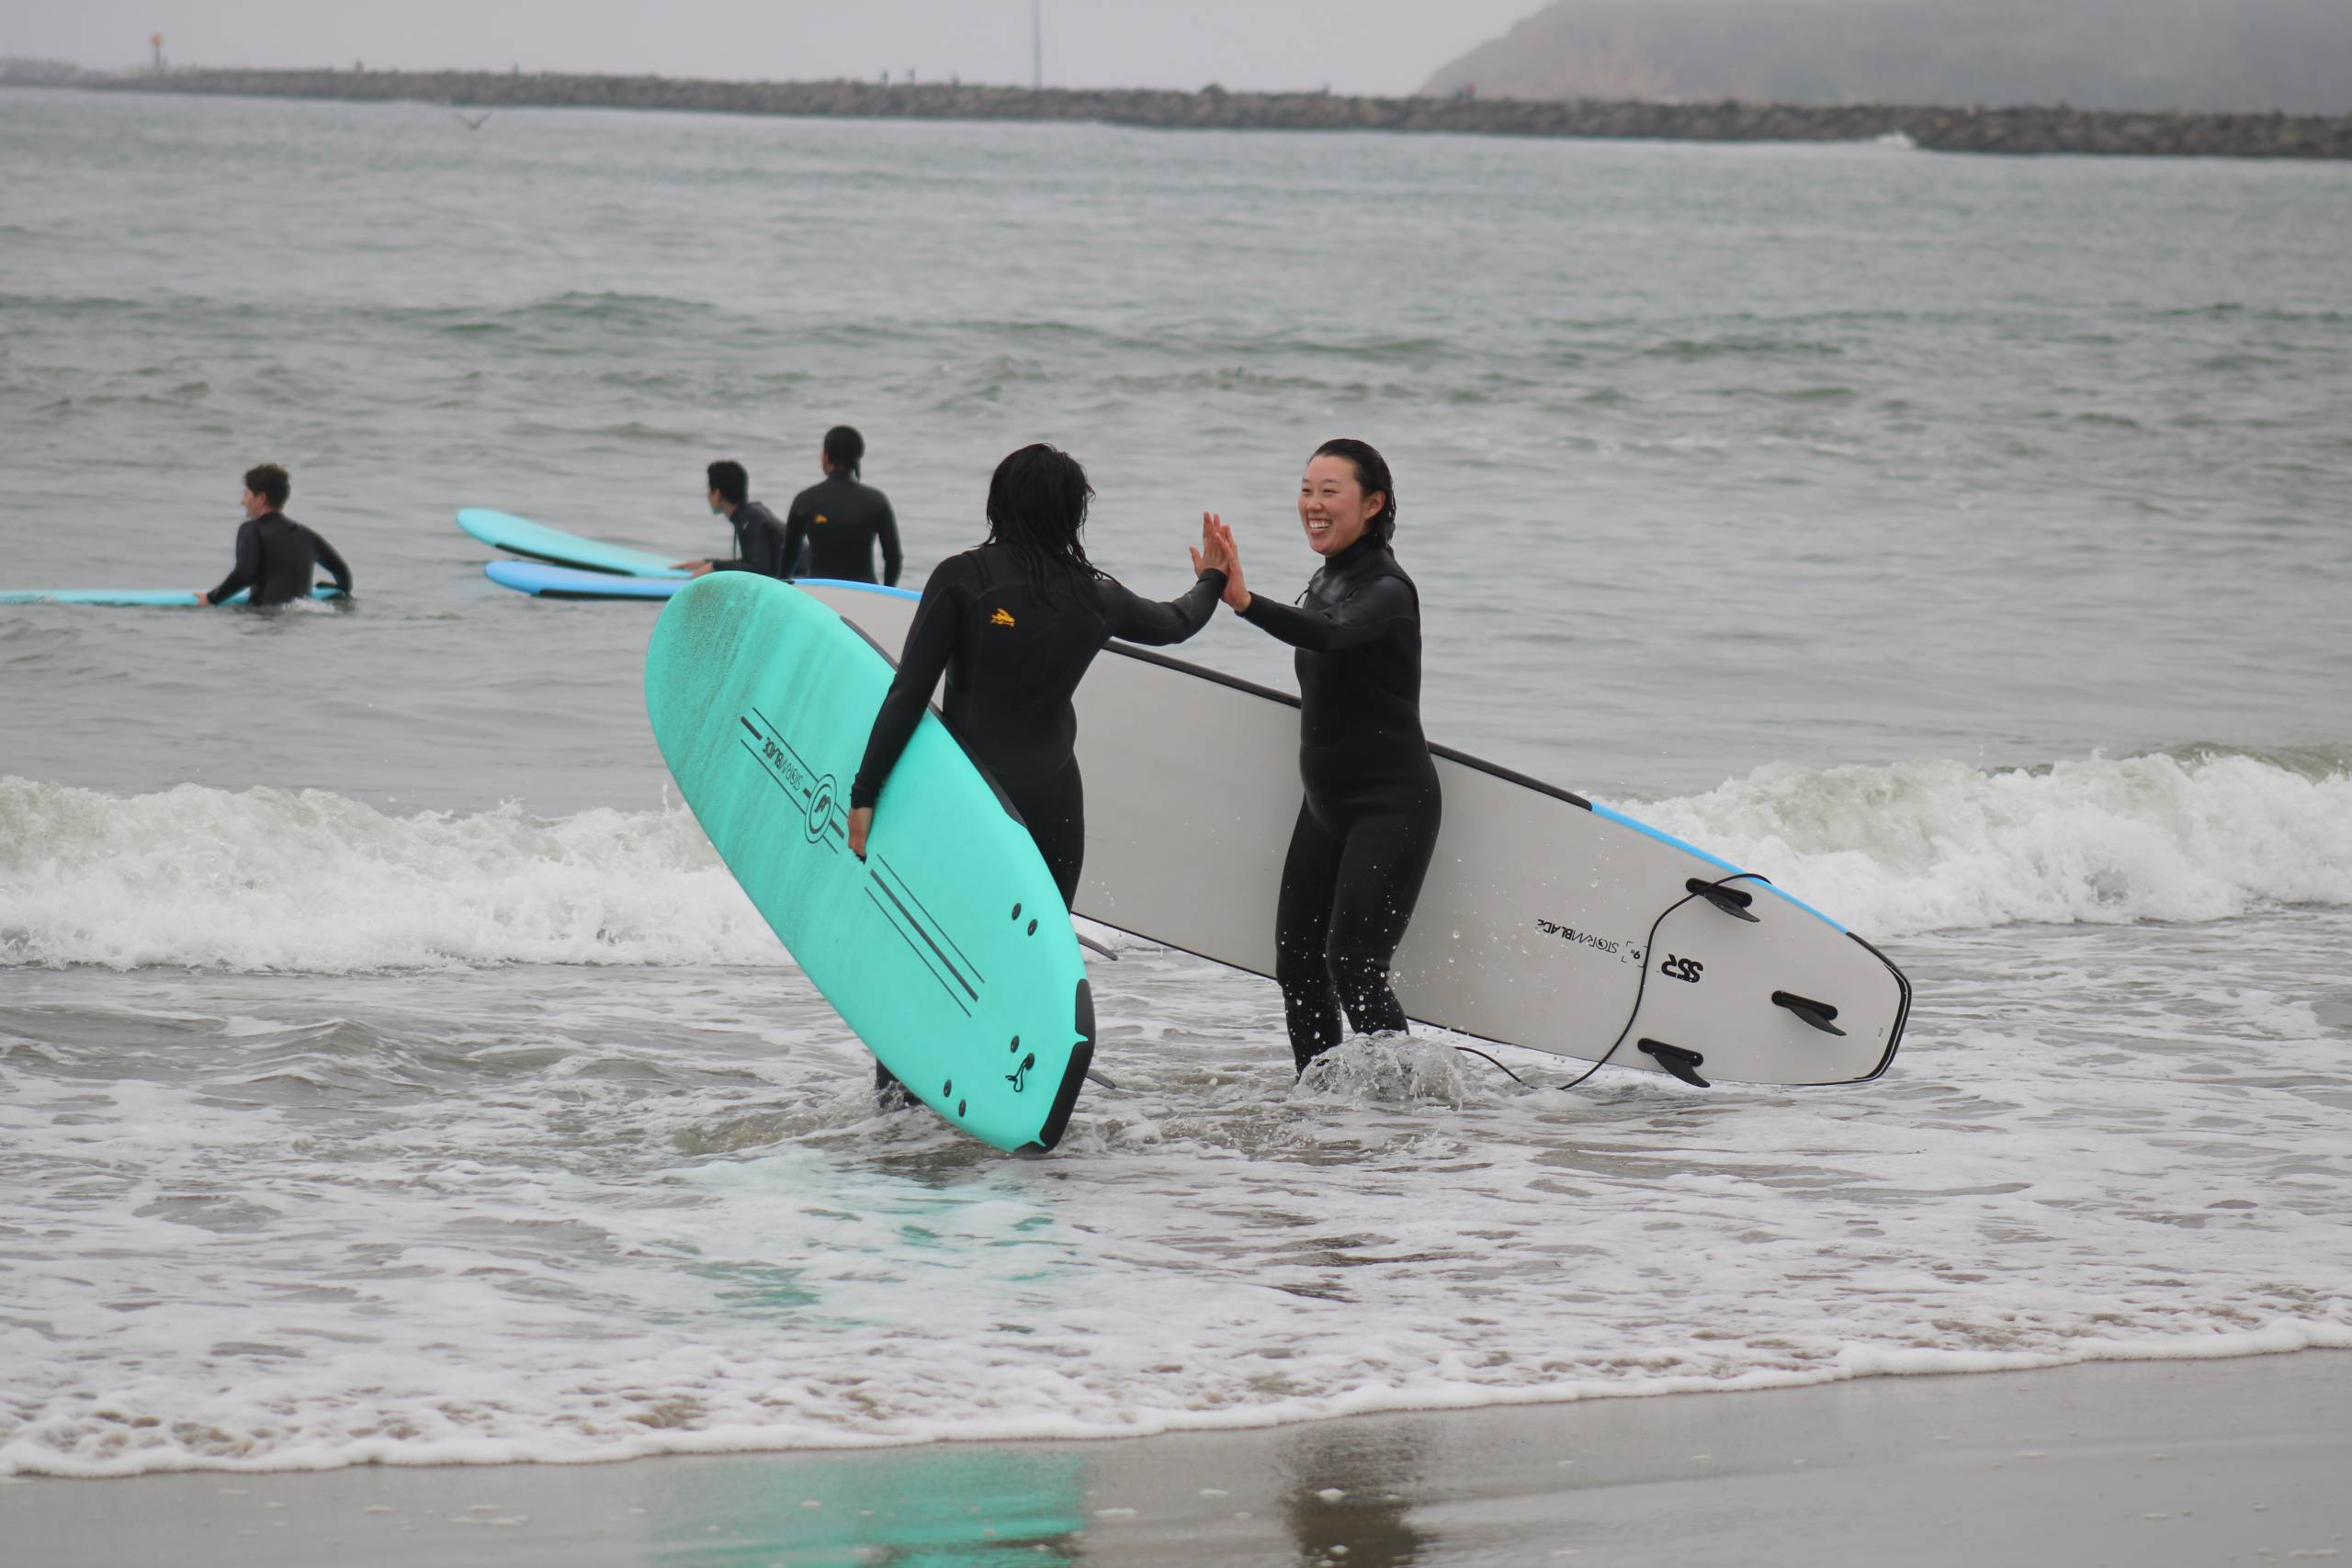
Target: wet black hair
844,447
1038,503
1372,476
728,477
270,483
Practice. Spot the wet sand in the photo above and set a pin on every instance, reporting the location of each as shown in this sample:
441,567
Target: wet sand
2139,1463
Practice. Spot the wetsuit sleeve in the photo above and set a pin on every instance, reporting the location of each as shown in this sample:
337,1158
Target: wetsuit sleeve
795,535
764,546
738,563
931,641
1364,617
246,574
328,558
1138,619
887,530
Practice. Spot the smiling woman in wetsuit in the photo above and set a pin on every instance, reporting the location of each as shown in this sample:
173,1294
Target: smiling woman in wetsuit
1368,823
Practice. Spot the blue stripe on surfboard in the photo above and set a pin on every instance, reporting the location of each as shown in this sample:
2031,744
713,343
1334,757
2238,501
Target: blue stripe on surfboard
859,587
1664,837
520,535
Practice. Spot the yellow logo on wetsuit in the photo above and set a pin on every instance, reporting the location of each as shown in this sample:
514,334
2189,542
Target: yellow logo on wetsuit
820,517
1001,618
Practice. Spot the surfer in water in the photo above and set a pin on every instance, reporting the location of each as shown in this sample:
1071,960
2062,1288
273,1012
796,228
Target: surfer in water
275,554
842,519
1368,823
760,541
1013,622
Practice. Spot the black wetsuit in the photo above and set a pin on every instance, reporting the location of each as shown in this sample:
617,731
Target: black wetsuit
1013,650
1368,824
759,543
275,557
841,521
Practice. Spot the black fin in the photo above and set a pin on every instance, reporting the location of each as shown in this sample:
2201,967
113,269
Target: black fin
1732,901
1682,1063
1817,1014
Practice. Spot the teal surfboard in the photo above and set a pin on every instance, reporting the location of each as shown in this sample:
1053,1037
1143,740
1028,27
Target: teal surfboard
948,949
131,598
521,536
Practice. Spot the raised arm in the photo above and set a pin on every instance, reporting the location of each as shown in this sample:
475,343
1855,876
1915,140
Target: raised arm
248,572
1364,617
1138,619
931,641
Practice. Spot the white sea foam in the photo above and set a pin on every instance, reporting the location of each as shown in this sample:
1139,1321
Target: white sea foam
268,879
1942,846
592,1212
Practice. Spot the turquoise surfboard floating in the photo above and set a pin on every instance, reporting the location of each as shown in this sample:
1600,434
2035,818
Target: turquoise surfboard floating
948,949
521,536
544,582
129,598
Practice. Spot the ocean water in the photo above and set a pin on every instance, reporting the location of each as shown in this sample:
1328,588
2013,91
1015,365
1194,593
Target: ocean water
389,1072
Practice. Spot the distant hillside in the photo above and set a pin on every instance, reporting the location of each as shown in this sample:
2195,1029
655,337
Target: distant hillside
2294,55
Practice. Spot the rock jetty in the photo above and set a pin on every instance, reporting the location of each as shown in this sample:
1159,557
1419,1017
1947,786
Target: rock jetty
2054,130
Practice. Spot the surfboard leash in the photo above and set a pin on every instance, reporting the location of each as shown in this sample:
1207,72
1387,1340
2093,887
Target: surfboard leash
1711,891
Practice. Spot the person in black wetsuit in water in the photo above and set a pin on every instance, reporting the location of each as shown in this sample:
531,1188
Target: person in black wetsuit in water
759,538
1013,624
841,519
1368,823
275,554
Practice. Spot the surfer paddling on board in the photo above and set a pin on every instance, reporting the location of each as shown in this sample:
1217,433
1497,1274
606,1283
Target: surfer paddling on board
275,554
1368,823
1013,622
759,538
841,519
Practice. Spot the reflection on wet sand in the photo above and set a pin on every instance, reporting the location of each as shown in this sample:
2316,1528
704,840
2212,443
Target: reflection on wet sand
914,1508
1346,1491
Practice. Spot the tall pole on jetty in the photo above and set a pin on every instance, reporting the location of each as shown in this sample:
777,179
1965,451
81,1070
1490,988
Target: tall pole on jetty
1037,45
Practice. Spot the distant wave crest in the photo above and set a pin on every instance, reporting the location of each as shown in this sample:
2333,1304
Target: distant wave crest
2199,835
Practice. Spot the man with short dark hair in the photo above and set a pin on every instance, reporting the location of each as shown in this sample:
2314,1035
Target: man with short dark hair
842,519
759,542
275,554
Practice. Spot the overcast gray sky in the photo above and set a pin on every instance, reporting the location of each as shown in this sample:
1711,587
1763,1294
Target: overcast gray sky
1353,46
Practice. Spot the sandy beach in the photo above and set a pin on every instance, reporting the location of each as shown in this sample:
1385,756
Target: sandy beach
2146,1463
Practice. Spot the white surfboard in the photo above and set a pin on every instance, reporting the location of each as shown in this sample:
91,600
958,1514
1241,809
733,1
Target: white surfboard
1546,921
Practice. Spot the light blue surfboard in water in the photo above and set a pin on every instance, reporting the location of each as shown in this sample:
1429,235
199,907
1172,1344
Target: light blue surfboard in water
131,598
948,949
544,582
521,536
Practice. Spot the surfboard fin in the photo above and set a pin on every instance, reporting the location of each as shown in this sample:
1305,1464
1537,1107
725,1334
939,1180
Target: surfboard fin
1093,946
1682,1063
1094,1076
1817,1014
1732,901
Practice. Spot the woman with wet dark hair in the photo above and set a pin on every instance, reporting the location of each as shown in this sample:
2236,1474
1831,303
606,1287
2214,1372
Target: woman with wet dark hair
1368,823
1013,622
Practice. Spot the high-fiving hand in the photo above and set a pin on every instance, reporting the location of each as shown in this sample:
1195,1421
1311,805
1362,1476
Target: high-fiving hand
1218,552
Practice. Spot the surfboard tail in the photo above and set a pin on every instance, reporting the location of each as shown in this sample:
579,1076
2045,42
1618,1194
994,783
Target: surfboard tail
1081,1056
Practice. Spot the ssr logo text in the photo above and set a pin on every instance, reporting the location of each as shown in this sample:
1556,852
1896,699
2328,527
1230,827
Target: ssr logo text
1681,968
